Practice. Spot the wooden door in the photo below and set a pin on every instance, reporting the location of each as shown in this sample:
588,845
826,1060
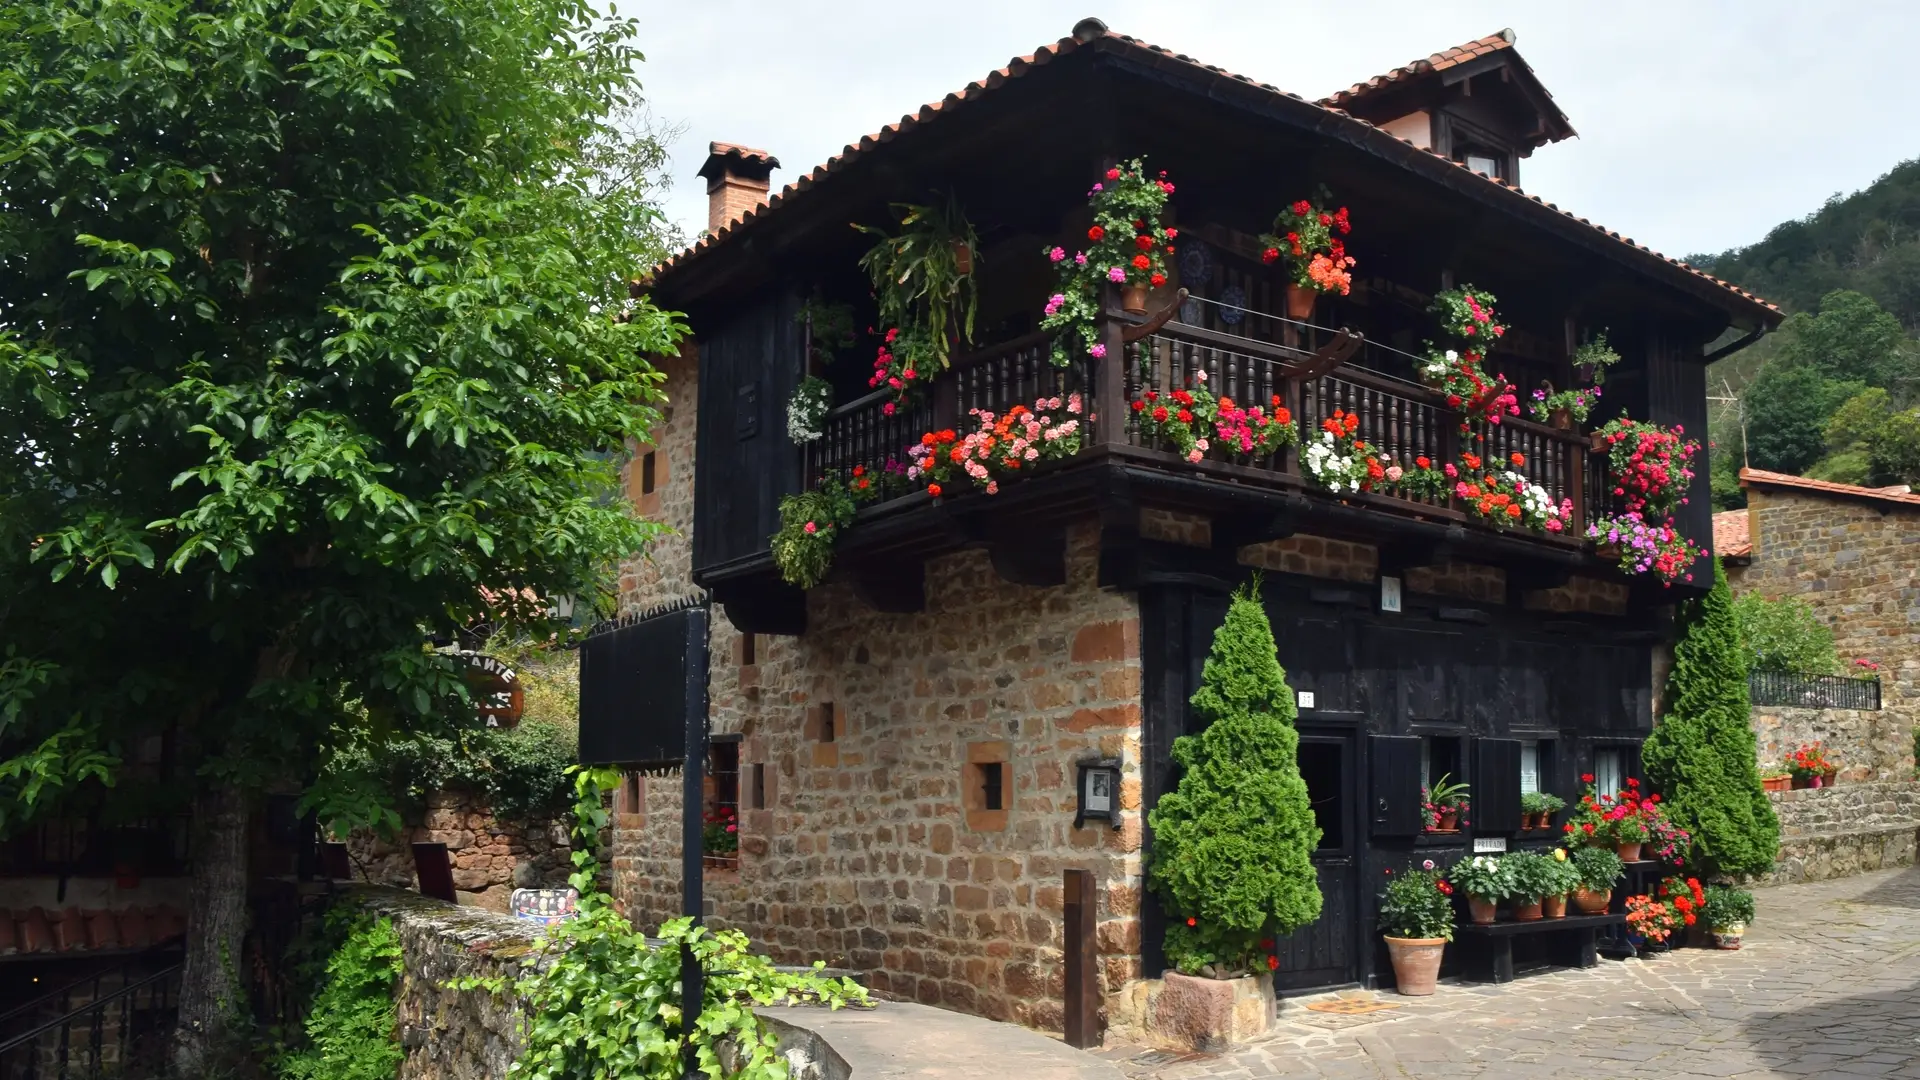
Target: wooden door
1326,952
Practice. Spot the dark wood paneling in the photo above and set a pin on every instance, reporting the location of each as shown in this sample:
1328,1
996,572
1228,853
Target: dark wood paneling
1496,786
1677,396
749,365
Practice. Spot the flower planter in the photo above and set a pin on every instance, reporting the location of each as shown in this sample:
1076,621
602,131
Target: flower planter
1529,911
1300,301
1598,443
1416,964
1554,907
1546,819
1561,419
1133,299
1483,911
1727,937
1776,783
1628,852
720,862
1449,821
1588,902
1609,552
962,258
1209,1015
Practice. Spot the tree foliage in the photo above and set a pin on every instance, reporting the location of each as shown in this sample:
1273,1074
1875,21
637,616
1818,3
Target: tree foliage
1233,843
316,343
1784,635
1701,756
352,1027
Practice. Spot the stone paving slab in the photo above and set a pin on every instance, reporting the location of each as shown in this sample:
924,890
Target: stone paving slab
1828,985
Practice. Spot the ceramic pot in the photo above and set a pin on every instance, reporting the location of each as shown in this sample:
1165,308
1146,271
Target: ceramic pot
1628,852
1554,907
1484,911
1588,902
1133,299
1300,300
1416,964
1449,821
1727,937
1598,443
1527,911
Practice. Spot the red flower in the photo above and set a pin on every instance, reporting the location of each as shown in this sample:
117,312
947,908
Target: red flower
933,490
1519,460
1160,414
1113,174
1273,963
1139,406
1185,416
1193,922
1586,778
1270,255
1141,262
1157,280
1096,233
859,470
1144,243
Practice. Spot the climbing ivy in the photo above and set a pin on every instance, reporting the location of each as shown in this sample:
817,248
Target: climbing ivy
351,1026
604,1001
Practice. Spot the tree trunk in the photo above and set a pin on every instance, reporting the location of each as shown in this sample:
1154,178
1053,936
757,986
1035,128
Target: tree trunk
212,994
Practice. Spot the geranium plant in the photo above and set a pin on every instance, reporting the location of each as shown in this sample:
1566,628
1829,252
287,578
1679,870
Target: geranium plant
1192,421
1594,358
1651,919
1645,548
1466,315
807,410
1666,840
1686,896
1420,478
1306,237
1417,904
1650,466
999,445
1578,403
906,360
1509,498
810,524
721,831
1484,877
1338,460
1126,246
1809,761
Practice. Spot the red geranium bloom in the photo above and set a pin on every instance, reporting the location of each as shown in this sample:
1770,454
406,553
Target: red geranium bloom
1270,255
1096,233
1193,922
1141,262
1157,280
1273,963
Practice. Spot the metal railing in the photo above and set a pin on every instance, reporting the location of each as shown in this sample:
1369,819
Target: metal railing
120,1033
1806,690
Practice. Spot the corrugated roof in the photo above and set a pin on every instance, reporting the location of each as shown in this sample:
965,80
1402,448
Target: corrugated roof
1899,493
1089,32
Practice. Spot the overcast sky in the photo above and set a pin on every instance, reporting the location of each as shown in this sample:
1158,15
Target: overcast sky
1702,124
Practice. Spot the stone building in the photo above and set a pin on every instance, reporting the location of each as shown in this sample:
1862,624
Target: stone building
1853,554
903,744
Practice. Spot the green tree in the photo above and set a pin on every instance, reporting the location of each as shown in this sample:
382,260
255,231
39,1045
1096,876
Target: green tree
1850,339
1701,755
316,343
1894,451
1784,635
1233,844
1786,408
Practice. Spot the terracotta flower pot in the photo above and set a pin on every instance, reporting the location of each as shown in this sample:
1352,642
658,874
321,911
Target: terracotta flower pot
1777,783
962,257
1628,852
1133,299
1588,902
1546,819
1483,910
1561,419
1598,443
1527,911
1554,907
1449,821
1300,301
1416,964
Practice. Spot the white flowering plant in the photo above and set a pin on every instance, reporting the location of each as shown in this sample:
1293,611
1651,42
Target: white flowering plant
807,409
1337,460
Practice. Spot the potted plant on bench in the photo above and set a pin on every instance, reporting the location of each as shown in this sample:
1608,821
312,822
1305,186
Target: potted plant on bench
1537,809
1531,881
1775,778
1599,868
1810,767
1727,912
1416,919
1558,878
1486,880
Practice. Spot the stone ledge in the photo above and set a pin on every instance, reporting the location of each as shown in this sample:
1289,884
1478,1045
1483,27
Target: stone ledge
1843,854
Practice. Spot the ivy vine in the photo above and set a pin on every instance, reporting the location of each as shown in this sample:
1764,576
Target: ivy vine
351,1026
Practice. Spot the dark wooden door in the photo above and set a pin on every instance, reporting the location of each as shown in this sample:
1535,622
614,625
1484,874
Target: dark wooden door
1326,953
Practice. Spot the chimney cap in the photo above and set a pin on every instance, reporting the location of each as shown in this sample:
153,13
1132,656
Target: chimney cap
1087,29
724,159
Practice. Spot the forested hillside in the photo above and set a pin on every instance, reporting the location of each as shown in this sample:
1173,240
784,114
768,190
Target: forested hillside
1831,395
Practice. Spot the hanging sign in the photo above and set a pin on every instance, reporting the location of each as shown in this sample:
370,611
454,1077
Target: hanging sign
496,690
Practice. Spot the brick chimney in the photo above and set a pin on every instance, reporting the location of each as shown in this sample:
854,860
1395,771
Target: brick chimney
737,181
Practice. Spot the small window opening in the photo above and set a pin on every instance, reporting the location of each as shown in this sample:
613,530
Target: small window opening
759,786
826,721
647,473
992,794
746,650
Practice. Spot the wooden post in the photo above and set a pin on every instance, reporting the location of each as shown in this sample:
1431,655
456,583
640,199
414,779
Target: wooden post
1083,980
1110,375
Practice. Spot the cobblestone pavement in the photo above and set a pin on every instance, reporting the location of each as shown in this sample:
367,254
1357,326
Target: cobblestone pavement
1827,985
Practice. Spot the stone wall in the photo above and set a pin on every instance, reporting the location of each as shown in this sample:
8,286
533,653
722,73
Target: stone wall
665,571
1866,744
872,847
453,1034
1856,560
491,857
1845,829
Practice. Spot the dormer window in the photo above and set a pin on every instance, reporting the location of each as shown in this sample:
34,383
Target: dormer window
1482,160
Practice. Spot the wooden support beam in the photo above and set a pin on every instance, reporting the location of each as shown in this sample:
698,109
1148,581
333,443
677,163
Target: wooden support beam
897,586
764,607
1034,558
1082,913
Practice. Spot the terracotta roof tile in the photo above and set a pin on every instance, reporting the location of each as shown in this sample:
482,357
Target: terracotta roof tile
1020,65
1731,537
727,149
74,930
1899,493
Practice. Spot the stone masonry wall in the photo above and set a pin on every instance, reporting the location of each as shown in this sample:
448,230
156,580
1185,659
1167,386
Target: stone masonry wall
1845,829
1857,562
873,848
491,857
665,571
1866,744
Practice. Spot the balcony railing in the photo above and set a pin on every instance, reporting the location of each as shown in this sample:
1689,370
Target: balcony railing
1402,418
1805,690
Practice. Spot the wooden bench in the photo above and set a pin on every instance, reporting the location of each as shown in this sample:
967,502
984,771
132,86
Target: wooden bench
1572,945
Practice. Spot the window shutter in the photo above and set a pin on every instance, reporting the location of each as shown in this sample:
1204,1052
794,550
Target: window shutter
1395,764
1496,786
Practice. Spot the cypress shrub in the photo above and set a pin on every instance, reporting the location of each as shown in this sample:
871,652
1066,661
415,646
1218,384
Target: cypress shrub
1233,843
1701,755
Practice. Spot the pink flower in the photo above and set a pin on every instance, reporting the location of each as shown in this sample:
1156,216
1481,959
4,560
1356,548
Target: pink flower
1097,351
1116,275
1193,455
1452,473
1079,259
908,374
812,528
1394,473
993,487
887,409
1201,375
1057,254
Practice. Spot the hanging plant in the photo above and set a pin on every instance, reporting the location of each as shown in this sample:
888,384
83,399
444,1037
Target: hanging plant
906,361
923,277
1127,246
1642,547
1466,315
999,446
1577,403
830,330
1306,237
1594,358
1650,466
807,410
810,524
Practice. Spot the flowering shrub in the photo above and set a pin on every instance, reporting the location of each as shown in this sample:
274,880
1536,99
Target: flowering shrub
1193,421
1809,761
1000,444
1509,498
807,411
1417,904
1338,461
1666,840
1652,919
1421,479
721,831
1650,466
1305,236
1254,433
1127,245
1484,877
1686,896
1578,403
1659,550
1467,316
